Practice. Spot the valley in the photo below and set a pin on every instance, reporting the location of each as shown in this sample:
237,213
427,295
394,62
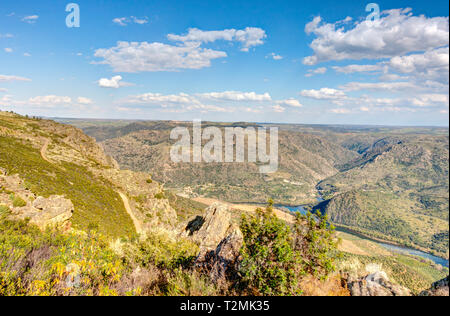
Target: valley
389,183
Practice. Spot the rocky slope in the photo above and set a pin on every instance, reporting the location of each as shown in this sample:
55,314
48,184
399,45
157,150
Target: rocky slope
55,170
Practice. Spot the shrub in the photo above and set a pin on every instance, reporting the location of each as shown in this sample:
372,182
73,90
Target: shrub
270,265
18,201
160,196
4,210
275,257
160,250
315,242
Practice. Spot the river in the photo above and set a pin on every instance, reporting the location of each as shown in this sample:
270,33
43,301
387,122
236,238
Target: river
392,248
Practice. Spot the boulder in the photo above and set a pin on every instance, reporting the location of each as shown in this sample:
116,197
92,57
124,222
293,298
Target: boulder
226,258
439,288
219,240
54,211
215,227
376,284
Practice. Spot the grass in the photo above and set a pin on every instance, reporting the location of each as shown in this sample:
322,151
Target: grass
94,199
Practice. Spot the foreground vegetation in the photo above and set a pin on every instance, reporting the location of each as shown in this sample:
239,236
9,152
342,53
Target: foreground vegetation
275,259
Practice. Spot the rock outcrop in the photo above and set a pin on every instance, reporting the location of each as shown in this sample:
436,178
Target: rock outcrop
219,240
54,211
215,227
439,288
375,284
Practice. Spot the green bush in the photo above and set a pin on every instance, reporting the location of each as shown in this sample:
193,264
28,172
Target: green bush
18,201
160,196
315,241
270,266
4,210
275,257
159,250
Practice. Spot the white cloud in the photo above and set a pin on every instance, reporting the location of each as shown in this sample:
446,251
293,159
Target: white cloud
290,102
237,96
84,101
357,68
27,54
397,33
8,50
228,101
53,102
50,100
340,111
8,35
143,20
196,35
249,37
160,99
433,64
132,19
384,86
324,94
318,71
278,108
139,57
120,21
115,82
274,56
426,100
13,78
3,90
151,57
30,19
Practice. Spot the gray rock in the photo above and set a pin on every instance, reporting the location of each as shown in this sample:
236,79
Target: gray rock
376,284
54,211
219,240
216,226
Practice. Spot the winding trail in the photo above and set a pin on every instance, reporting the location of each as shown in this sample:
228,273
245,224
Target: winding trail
126,202
44,150
136,222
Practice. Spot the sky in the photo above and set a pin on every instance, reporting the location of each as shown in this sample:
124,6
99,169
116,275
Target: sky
310,62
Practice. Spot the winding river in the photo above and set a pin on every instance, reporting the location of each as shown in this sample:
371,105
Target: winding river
392,248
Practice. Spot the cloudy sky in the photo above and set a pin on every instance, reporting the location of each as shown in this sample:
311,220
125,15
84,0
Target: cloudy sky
262,61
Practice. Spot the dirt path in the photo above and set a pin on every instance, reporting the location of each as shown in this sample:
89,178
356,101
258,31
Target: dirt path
44,150
124,198
136,222
246,207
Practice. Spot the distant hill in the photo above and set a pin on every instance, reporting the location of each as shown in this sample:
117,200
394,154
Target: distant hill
397,188
388,182
304,160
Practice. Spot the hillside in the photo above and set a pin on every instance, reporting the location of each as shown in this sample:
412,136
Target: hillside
304,160
42,158
398,189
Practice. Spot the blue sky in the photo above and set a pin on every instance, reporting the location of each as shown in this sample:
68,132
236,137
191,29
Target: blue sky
265,61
